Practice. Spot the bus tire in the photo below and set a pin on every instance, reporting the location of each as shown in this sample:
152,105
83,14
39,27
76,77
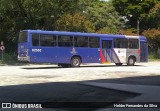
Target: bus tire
75,61
131,61
64,65
118,64
59,65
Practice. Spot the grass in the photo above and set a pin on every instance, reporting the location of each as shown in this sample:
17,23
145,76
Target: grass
8,58
154,57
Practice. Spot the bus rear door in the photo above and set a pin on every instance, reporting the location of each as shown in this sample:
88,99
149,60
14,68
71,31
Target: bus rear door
106,50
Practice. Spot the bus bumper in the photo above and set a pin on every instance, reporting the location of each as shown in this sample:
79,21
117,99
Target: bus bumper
24,59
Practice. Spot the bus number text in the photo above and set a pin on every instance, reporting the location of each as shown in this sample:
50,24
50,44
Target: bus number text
36,50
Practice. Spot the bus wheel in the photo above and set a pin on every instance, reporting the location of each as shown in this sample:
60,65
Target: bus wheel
131,61
59,65
118,64
75,62
64,65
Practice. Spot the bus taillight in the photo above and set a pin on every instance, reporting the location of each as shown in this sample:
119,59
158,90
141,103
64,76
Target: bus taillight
139,51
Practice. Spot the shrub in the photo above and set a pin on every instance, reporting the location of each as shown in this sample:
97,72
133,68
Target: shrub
8,58
154,56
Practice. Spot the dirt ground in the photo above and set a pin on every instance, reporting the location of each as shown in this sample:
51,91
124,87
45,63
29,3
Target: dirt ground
30,74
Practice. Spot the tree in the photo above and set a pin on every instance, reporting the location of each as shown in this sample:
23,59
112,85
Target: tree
153,36
16,15
131,31
134,11
103,16
70,15
76,22
154,15
100,13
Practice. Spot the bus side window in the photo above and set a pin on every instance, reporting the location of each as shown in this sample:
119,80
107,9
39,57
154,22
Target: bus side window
94,42
107,44
48,40
54,41
65,41
133,44
121,43
35,40
80,41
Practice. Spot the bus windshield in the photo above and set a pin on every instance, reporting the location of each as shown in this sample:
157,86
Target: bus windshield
22,37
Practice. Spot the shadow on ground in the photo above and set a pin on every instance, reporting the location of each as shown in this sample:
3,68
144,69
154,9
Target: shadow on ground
73,91
54,67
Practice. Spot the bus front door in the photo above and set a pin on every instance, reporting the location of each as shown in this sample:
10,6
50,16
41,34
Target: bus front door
107,45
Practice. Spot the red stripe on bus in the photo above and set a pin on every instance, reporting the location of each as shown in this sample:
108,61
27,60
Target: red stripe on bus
102,56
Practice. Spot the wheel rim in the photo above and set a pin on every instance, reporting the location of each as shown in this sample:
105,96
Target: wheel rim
131,61
76,62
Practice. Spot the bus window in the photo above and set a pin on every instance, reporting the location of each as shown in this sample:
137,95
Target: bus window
81,41
94,42
22,37
35,40
121,43
48,40
107,44
65,41
133,44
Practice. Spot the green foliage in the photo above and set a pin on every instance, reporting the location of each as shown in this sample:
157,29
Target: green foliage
131,31
8,58
134,10
114,16
16,15
75,22
107,30
68,15
155,10
153,36
103,16
154,16
153,56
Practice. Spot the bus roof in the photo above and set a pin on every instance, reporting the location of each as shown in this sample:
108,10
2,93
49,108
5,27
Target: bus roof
80,34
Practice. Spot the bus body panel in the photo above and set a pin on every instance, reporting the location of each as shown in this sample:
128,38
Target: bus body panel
44,54
120,55
63,55
105,53
144,49
132,52
92,55
135,52
115,56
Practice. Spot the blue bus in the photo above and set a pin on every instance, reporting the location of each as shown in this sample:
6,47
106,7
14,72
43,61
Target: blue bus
74,48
